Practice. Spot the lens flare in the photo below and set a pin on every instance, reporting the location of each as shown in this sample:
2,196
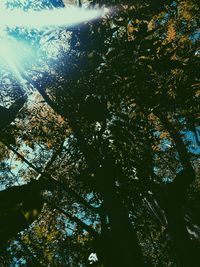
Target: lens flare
46,18
15,55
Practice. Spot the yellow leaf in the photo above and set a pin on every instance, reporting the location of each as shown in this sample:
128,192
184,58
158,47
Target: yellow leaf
49,145
171,33
164,135
155,148
60,119
197,93
171,93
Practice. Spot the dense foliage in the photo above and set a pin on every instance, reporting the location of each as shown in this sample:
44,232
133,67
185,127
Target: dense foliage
99,147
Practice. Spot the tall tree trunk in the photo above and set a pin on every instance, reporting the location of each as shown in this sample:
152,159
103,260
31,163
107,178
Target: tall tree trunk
186,250
118,245
121,246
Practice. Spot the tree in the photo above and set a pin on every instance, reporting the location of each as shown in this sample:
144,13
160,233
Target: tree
122,167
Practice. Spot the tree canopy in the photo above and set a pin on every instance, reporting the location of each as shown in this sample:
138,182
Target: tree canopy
100,137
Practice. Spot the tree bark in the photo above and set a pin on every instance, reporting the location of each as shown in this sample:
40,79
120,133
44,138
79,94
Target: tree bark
174,200
120,246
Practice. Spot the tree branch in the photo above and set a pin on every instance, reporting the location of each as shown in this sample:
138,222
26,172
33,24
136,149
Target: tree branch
180,146
88,228
50,181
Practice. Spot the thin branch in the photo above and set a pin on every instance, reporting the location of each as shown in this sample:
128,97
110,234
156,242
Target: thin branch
89,154
53,180
180,146
88,228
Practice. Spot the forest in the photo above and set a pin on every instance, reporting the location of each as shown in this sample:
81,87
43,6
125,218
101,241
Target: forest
99,133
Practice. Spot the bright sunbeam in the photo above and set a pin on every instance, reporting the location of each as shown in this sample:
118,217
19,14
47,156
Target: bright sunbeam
46,18
15,55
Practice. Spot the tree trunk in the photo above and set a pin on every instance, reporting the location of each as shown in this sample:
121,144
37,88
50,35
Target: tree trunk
119,245
186,250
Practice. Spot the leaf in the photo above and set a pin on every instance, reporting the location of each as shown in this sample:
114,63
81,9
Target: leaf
171,93
171,33
164,135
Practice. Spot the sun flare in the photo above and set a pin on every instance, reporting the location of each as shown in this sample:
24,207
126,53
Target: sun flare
14,53
46,18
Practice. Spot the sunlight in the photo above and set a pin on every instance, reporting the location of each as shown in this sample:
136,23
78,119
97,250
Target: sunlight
15,55
46,18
